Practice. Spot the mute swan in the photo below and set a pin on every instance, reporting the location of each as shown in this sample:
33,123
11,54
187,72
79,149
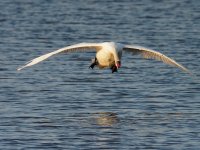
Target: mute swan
108,55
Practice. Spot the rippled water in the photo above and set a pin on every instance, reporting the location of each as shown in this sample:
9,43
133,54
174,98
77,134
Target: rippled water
61,104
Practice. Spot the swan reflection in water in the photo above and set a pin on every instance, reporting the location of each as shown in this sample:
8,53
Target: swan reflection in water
105,118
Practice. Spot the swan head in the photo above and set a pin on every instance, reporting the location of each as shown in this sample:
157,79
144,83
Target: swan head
118,64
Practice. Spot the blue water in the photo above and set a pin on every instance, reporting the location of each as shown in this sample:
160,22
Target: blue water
61,104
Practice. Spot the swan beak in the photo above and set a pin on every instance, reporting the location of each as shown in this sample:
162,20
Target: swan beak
118,64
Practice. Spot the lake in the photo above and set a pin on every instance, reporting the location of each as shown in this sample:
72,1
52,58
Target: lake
62,104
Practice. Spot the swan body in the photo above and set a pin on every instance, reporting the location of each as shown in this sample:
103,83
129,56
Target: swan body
108,55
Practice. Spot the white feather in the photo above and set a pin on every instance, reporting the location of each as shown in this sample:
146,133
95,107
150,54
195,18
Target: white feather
108,53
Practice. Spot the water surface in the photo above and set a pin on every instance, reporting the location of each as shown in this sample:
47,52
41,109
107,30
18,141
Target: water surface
61,104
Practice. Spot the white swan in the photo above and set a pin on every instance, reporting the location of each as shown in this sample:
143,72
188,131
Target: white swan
108,54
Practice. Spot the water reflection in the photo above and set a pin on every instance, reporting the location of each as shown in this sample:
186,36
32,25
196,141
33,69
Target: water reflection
105,118
107,133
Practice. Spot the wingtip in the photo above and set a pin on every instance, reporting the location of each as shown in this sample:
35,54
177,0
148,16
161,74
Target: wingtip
20,68
187,71
190,73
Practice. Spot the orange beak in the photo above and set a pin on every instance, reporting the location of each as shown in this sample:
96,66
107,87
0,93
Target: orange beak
118,64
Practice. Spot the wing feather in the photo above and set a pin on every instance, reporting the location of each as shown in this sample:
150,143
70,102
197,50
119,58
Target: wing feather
151,54
72,48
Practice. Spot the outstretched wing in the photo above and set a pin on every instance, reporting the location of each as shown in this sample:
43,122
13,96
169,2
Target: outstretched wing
151,54
72,48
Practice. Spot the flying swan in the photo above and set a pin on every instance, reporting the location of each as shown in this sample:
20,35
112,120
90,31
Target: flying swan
108,55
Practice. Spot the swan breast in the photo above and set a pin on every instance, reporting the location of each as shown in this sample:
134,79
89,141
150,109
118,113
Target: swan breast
105,58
